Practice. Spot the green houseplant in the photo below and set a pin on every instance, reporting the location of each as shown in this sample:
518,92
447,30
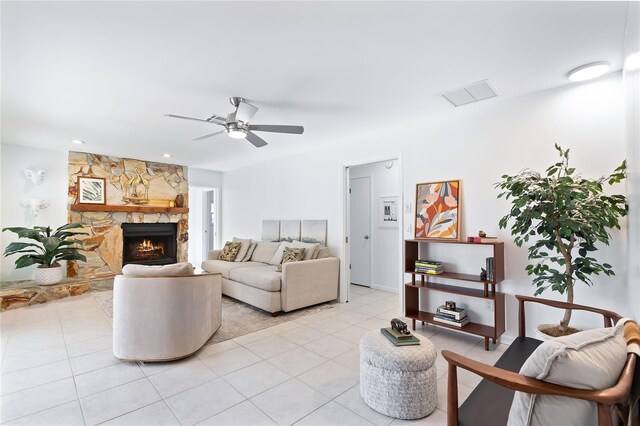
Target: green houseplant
47,249
562,216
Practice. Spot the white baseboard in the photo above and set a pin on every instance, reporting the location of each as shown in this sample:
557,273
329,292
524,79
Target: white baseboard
384,288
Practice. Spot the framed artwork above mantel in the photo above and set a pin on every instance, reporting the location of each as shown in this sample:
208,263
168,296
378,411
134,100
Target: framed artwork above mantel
92,190
437,215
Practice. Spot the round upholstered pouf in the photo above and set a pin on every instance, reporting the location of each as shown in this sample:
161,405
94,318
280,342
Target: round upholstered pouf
398,381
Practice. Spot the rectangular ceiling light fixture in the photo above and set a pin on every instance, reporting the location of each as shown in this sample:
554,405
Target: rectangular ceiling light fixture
472,93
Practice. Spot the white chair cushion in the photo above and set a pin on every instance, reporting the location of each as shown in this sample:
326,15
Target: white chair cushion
173,270
591,359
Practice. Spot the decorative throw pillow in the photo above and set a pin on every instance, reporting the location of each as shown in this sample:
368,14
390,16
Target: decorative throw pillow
311,249
277,256
591,359
291,254
244,248
230,251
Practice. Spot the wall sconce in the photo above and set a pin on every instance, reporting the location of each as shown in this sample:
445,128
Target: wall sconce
36,177
35,206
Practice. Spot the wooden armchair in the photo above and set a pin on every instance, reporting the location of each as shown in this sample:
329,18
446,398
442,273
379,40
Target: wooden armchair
490,401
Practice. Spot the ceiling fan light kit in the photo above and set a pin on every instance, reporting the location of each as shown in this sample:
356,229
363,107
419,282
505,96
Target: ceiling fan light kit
237,126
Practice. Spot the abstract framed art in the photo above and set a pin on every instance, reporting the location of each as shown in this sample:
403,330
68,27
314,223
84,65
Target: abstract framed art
91,190
438,210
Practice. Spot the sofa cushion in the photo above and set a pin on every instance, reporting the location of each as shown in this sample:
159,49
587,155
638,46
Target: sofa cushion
252,247
230,251
264,251
263,277
277,256
224,267
244,248
310,249
591,359
323,252
173,270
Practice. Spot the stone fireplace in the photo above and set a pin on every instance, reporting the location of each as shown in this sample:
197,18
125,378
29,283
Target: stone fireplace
149,243
166,189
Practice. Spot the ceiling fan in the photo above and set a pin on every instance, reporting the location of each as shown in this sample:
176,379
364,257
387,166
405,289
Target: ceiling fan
236,124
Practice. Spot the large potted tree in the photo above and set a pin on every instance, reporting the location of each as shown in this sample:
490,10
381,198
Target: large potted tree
47,250
562,217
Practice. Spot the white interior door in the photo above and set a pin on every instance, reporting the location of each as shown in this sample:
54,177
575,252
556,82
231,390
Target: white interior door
360,226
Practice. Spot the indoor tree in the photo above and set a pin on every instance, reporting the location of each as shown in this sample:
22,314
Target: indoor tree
562,216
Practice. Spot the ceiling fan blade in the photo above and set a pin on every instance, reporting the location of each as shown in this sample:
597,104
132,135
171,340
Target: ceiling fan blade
245,112
256,140
298,130
209,135
213,119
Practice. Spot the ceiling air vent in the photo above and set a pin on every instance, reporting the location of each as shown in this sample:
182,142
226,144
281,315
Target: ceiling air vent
472,93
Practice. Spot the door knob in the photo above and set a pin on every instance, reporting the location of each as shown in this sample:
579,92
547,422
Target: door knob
366,237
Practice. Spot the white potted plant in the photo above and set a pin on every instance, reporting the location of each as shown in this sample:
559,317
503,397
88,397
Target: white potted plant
46,251
562,216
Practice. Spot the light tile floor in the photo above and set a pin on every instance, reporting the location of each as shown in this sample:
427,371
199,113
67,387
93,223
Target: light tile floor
58,368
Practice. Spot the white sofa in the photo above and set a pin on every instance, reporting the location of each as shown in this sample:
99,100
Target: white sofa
163,318
258,283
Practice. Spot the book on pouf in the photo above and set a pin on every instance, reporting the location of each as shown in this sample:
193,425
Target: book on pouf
406,340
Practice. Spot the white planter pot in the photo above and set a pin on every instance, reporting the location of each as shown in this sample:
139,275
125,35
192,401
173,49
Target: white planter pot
542,335
48,276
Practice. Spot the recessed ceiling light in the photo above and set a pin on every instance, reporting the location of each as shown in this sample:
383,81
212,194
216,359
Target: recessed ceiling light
77,141
589,71
632,63
166,155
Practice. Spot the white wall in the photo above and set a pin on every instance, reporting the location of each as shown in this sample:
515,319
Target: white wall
632,92
385,249
16,187
205,178
196,225
476,143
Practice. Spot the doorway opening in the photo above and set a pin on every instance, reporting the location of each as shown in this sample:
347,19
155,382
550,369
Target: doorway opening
373,225
204,223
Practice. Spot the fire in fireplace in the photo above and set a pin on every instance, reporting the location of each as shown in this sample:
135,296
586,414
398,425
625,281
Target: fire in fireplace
149,243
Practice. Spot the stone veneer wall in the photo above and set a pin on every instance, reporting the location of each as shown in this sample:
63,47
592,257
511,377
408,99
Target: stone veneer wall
103,245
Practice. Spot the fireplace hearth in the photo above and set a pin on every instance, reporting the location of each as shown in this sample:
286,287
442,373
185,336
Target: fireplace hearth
149,243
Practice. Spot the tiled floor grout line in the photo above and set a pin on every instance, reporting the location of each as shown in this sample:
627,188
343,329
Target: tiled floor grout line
75,384
163,399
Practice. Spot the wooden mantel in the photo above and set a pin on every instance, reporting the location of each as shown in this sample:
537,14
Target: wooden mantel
139,209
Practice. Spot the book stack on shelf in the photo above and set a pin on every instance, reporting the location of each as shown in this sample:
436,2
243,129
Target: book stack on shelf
430,267
398,338
455,316
490,268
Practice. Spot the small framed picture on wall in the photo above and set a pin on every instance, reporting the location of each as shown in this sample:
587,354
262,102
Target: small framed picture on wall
91,190
388,212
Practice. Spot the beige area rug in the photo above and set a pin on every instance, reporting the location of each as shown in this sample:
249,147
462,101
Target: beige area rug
238,318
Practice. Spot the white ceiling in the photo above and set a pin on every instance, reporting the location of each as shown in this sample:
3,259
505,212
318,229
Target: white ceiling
107,72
